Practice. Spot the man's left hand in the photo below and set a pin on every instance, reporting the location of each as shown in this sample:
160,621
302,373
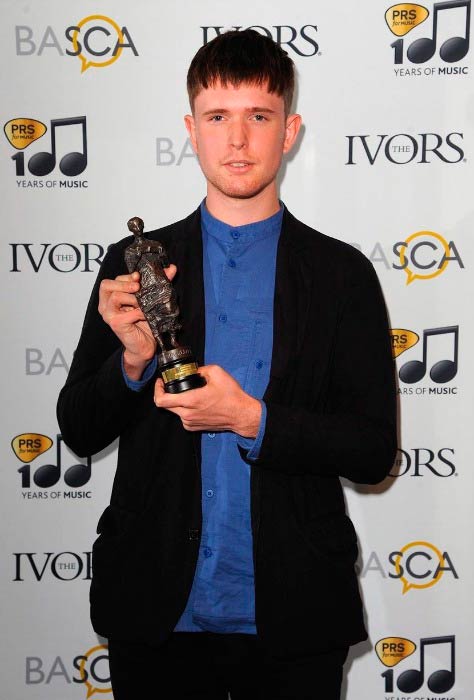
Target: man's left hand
221,404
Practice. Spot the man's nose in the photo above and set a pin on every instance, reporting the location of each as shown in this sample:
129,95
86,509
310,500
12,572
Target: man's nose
238,135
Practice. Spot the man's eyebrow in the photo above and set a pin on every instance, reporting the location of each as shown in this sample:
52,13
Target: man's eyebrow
252,110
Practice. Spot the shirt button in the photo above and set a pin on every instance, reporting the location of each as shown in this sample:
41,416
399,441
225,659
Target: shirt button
232,262
259,364
211,435
207,551
209,493
235,235
223,318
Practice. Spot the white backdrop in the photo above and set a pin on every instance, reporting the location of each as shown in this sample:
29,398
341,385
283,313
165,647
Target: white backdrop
384,162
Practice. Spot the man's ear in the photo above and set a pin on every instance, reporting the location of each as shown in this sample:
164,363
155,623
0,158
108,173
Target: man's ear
293,124
191,129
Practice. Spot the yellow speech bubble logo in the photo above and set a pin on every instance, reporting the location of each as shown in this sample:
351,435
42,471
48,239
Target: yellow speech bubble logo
92,656
86,62
22,131
404,17
392,650
402,340
412,276
415,546
28,446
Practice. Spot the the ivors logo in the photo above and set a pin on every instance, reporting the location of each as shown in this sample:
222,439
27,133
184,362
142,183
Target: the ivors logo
404,148
62,566
301,40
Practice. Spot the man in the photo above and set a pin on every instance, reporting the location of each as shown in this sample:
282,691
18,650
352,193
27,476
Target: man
225,561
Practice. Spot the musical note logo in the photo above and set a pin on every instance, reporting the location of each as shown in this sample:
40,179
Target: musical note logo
29,445
439,681
49,474
442,371
71,164
453,49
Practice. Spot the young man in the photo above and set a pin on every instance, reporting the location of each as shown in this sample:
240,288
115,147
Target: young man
225,561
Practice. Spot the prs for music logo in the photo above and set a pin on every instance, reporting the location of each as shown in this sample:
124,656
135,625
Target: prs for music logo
439,357
454,32
27,447
21,132
440,650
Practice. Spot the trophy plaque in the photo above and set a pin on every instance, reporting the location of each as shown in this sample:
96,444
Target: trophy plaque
157,299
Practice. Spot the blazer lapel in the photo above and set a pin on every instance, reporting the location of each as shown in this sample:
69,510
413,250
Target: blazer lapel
293,285
190,286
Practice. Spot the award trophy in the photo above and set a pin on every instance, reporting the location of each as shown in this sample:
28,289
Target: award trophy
157,300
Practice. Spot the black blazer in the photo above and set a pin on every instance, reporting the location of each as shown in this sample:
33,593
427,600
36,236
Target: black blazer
331,413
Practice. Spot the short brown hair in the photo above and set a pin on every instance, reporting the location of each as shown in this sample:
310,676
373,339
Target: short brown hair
237,57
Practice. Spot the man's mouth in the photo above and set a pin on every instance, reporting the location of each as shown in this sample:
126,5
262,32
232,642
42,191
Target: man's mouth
238,164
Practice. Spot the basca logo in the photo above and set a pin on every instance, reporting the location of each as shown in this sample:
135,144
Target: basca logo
421,461
27,447
394,650
63,566
439,359
90,669
423,255
418,565
21,132
302,41
447,40
171,152
401,149
39,362
97,41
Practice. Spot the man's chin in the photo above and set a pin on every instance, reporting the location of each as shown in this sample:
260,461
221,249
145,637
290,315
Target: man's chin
248,192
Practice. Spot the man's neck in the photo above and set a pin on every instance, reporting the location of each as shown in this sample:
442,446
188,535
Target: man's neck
239,212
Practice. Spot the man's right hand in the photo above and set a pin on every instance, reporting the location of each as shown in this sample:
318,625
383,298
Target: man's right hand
119,308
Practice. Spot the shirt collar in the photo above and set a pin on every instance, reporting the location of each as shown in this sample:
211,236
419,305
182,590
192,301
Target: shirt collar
246,233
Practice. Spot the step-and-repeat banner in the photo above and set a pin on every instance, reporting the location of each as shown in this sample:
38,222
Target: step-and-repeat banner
92,109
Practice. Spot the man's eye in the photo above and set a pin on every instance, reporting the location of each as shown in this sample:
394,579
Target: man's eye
259,118
217,118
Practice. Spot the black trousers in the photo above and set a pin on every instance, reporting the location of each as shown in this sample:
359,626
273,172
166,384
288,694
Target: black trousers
207,666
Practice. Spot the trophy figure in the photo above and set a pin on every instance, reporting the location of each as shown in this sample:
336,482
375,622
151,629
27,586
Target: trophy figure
157,299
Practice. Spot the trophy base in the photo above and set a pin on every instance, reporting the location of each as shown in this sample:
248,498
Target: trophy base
179,371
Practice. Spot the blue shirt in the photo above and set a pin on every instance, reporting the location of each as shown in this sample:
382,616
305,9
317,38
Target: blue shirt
239,284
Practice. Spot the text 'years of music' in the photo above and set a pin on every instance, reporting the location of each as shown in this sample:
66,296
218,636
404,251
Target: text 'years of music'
52,184
56,495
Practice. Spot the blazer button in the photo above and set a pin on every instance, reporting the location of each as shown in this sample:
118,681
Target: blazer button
193,535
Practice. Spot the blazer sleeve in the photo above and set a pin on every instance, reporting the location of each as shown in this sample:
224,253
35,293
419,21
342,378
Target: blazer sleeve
355,435
95,405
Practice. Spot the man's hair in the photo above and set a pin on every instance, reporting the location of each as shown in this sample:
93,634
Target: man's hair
237,57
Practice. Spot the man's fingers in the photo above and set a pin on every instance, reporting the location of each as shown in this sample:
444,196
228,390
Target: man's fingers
131,277
118,300
126,318
170,271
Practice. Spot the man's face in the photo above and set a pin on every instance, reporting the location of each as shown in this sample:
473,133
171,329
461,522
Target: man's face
239,135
